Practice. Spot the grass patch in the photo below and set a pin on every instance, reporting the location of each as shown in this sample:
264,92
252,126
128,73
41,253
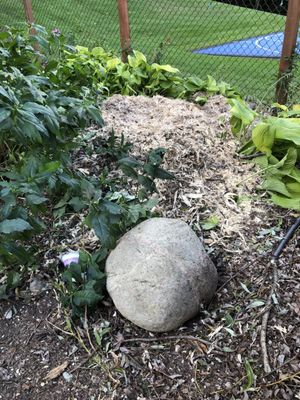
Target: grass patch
178,27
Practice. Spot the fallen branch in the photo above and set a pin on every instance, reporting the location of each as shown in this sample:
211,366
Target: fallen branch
265,318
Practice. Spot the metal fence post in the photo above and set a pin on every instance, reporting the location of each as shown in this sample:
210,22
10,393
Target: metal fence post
124,29
289,44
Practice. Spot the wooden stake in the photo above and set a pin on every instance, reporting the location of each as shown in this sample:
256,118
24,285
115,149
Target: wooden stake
30,20
28,11
288,49
124,29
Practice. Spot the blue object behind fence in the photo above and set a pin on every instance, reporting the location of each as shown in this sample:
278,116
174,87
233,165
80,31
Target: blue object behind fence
269,46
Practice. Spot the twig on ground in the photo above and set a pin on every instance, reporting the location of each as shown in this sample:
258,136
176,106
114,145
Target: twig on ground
280,367
58,328
285,378
265,318
179,337
87,329
84,361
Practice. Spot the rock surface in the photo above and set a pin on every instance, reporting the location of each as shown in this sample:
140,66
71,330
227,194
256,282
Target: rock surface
159,275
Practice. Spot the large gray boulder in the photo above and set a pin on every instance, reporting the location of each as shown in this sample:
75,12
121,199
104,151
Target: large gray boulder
159,275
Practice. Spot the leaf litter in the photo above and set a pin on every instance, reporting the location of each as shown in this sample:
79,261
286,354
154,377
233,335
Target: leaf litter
213,185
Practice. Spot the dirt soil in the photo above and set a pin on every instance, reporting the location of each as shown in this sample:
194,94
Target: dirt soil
42,355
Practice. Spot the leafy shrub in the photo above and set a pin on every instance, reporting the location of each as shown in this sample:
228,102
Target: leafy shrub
105,73
277,139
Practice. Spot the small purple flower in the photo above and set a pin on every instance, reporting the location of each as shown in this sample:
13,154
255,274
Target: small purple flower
70,257
56,32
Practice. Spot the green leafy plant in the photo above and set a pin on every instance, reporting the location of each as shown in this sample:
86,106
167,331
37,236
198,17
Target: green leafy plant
105,74
241,115
277,141
84,282
49,92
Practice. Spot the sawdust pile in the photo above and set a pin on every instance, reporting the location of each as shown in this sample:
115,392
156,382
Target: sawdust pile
201,153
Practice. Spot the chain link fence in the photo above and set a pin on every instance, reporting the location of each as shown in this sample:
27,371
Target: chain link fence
182,33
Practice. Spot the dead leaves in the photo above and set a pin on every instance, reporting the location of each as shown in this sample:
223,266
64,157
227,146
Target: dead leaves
56,372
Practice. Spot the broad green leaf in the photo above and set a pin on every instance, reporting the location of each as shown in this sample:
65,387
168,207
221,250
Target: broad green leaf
263,138
276,185
134,212
94,273
293,187
201,100
128,171
262,161
140,57
166,68
284,202
4,114
280,106
286,129
112,63
148,183
241,115
155,156
294,174
5,93
103,230
95,115
210,223
137,60
98,52
36,108
14,225
69,180
86,297
82,50
250,375
77,203
163,174
290,161
211,84
151,203
100,333
36,199
110,207
76,272
13,279
284,166
130,162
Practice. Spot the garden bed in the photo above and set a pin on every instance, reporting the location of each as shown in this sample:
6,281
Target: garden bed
212,186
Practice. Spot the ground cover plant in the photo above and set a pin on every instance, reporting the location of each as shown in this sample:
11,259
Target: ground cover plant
168,32
91,185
